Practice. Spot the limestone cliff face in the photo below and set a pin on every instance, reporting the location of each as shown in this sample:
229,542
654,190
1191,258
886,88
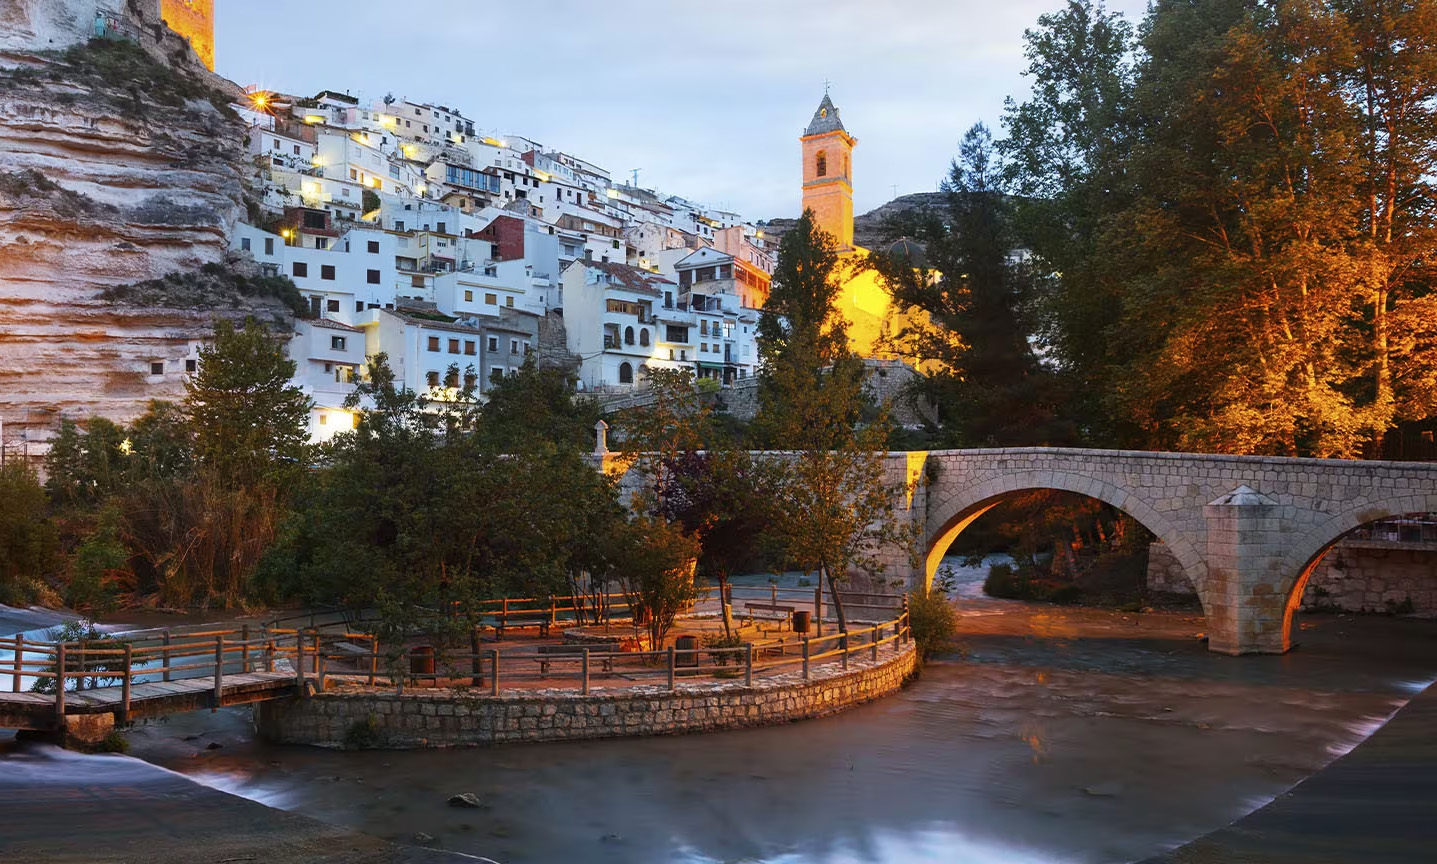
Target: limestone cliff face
114,169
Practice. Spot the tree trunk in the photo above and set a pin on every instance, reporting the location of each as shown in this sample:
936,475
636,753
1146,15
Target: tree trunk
837,598
725,611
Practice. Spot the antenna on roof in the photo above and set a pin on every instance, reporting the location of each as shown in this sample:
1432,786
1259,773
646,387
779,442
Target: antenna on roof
635,172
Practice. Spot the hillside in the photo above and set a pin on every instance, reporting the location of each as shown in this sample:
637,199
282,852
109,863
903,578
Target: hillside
868,229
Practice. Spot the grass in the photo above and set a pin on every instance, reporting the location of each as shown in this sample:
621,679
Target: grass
106,66
203,287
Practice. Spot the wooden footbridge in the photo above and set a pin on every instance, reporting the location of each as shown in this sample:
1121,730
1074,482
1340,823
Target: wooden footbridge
61,686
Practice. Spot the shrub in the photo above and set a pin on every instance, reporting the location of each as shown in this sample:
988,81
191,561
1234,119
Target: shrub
932,620
1009,584
716,645
101,671
362,734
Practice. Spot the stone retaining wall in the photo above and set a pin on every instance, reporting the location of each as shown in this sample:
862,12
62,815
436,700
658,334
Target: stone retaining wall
445,718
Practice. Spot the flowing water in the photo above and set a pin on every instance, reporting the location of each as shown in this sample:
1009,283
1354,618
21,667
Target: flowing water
1050,735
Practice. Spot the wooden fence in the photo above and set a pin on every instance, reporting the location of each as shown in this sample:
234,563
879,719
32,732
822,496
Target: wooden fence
335,645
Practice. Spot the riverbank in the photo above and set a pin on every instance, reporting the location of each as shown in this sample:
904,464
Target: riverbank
1375,805
129,812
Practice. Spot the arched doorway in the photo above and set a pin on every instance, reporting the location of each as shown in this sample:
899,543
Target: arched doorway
626,373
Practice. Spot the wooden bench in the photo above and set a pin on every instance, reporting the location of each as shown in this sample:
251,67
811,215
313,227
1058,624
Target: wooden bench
575,652
771,607
523,618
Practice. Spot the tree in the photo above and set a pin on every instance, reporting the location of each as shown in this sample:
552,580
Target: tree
972,335
250,423
1065,161
1237,246
834,505
811,385
27,540
658,568
725,499
537,404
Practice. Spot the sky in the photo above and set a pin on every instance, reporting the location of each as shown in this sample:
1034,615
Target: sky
706,99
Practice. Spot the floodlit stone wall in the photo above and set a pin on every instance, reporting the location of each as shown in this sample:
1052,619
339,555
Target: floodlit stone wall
444,718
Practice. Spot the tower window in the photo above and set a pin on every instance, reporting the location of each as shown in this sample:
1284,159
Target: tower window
822,164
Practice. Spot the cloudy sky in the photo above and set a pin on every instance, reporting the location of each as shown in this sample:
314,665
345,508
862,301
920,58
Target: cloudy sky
707,99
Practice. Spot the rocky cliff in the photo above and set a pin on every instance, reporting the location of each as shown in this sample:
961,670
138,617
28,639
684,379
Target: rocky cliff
116,167
869,229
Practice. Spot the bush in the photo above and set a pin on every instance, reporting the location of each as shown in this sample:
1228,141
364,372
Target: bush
716,645
932,620
362,734
1009,584
101,671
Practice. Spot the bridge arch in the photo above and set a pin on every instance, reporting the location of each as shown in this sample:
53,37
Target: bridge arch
953,507
1317,541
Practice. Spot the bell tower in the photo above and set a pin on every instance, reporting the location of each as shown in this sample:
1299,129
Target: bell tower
827,173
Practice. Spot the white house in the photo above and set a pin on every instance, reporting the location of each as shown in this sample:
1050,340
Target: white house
609,317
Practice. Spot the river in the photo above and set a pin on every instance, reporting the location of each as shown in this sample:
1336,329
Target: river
1048,735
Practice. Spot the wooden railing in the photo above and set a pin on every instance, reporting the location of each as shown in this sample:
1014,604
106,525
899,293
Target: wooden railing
145,656
490,669
332,647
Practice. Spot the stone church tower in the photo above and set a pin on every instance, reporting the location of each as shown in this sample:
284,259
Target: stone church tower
827,173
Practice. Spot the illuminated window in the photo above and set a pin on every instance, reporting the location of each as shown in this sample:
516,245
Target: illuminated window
822,164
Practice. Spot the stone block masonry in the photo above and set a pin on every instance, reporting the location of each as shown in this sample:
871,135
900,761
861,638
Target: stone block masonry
1356,576
444,718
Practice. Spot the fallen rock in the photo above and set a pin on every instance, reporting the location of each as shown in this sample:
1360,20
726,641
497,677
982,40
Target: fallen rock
465,799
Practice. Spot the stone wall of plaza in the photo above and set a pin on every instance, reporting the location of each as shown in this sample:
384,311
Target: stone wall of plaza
444,718
1356,576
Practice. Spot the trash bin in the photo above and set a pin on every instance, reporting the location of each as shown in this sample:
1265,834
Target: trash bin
801,620
686,651
421,661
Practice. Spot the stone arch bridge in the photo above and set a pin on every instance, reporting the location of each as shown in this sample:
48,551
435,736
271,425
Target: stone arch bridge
1247,530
